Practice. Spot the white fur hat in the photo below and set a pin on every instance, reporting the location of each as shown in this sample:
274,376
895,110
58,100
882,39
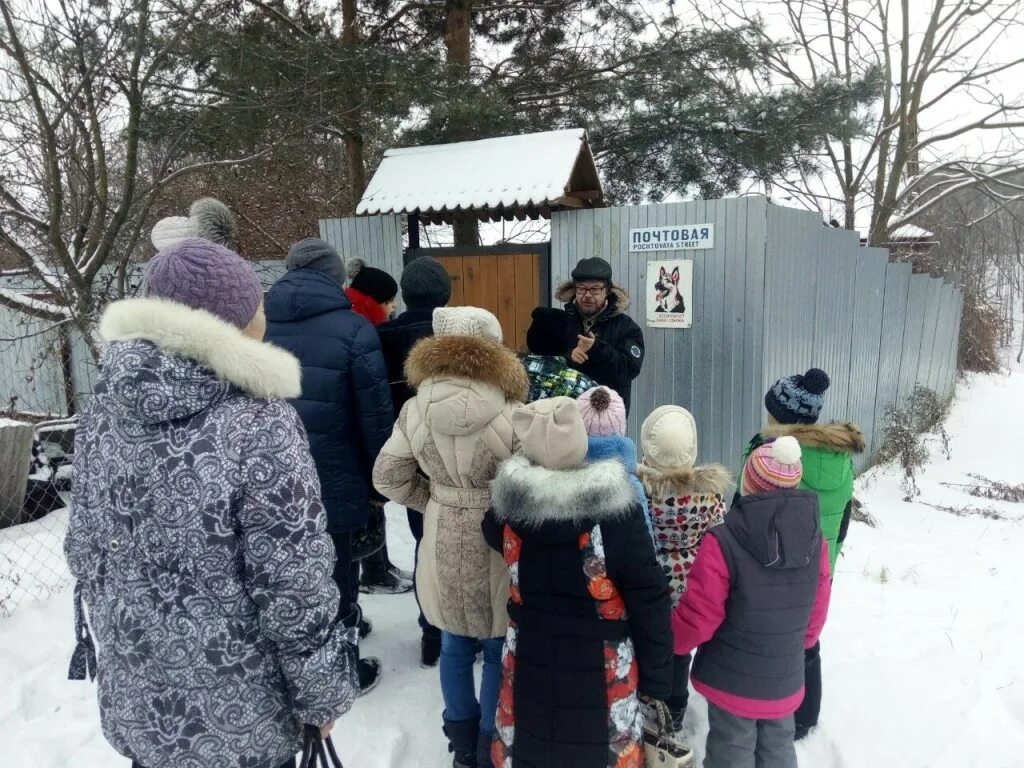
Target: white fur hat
668,438
466,321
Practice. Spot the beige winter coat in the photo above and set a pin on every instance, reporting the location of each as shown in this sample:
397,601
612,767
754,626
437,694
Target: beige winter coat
456,431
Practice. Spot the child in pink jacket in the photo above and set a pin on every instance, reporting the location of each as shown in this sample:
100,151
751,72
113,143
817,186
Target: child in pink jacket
769,564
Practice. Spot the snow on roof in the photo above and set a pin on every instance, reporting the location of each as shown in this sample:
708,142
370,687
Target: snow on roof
536,170
910,232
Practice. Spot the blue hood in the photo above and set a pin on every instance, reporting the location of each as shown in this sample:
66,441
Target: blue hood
612,447
302,294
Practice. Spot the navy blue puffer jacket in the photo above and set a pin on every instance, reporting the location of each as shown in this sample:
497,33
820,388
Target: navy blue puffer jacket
346,403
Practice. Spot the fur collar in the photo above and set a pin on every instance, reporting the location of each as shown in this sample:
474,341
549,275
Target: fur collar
468,357
528,494
566,294
711,478
258,368
839,436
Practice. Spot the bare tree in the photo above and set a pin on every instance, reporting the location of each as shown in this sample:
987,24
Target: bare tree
77,80
937,62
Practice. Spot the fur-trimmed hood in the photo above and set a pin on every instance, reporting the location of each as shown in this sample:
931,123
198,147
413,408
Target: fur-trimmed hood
566,294
257,368
839,436
471,358
710,478
529,495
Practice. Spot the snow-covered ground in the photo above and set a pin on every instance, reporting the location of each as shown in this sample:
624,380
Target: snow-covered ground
922,651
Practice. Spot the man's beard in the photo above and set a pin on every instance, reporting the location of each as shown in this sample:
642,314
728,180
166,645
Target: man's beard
592,313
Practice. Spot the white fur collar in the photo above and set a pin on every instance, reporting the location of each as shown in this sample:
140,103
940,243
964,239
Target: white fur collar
529,494
258,368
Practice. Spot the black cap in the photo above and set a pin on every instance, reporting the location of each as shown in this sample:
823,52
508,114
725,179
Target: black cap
551,332
594,268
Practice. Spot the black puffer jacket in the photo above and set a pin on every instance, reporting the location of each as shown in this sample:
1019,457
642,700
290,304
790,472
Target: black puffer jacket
397,338
588,616
618,354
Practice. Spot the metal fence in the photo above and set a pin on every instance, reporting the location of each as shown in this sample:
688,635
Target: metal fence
777,294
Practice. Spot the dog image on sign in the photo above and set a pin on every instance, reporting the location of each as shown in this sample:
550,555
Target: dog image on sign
669,294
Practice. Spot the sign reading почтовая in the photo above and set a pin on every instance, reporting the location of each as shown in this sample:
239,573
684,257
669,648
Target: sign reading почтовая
672,238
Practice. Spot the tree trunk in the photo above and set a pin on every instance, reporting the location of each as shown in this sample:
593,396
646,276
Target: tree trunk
458,47
353,116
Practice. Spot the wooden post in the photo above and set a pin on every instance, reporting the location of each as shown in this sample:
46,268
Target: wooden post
15,458
414,231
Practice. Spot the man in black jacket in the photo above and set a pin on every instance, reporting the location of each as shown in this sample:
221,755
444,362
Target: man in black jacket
610,345
425,285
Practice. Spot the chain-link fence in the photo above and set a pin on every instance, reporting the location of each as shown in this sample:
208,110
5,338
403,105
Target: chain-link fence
47,372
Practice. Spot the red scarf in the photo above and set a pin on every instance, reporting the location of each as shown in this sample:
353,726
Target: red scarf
366,306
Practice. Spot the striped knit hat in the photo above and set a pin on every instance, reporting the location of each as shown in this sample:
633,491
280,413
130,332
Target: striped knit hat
772,467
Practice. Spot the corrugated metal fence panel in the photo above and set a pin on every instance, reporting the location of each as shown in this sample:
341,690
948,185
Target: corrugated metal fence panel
913,330
866,340
837,260
932,298
30,376
377,240
894,316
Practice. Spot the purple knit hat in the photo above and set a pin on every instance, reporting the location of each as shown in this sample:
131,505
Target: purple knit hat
202,275
603,412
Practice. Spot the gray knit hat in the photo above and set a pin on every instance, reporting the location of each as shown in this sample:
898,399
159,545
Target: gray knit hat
204,275
313,253
425,283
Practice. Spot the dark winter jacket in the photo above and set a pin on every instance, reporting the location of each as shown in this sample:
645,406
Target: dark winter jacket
757,597
397,338
198,538
345,403
588,616
618,354
551,376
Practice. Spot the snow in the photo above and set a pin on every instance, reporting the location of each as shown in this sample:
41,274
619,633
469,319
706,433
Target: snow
531,169
922,662
910,232
32,562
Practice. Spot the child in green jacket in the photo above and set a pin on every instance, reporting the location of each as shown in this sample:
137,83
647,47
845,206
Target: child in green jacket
794,404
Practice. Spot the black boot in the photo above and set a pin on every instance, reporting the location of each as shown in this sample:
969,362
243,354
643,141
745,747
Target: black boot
483,750
462,741
378,580
430,648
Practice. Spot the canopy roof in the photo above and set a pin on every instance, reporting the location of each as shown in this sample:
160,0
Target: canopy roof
501,178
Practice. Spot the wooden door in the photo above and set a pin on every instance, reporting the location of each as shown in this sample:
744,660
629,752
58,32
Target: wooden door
507,284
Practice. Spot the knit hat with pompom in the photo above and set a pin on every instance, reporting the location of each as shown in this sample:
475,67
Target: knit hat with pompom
668,438
798,399
208,219
375,283
603,412
773,466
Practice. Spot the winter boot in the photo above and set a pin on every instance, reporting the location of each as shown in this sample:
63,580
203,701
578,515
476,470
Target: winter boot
677,718
378,577
483,750
369,674
463,738
430,648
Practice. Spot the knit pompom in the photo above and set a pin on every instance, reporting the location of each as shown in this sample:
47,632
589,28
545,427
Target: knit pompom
353,267
816,381
600,399
786,450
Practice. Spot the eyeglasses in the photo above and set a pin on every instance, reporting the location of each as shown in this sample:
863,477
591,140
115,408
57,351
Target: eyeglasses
592,291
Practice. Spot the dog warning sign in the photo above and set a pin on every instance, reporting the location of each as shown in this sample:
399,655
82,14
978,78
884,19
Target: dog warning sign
669,288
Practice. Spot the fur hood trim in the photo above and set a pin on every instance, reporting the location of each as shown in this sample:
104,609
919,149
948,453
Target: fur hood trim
468,357
839,436
258,368
528,494
711,478
566,294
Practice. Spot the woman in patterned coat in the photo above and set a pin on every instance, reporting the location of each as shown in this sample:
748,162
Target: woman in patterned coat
197,534
588,610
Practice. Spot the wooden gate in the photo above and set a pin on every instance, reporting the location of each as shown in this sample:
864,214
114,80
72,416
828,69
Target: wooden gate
508,280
